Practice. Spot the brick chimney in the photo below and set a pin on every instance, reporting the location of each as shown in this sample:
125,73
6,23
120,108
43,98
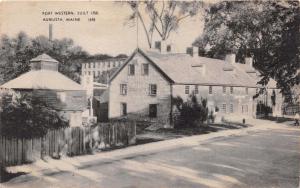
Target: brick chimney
193,51
230,58
249,61
163,47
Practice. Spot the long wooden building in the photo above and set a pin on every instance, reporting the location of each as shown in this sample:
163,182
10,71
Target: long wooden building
58,91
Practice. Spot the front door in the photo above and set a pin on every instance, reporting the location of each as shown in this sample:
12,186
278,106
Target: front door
123,109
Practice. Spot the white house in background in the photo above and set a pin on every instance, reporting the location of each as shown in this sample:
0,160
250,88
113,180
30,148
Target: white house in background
97,67
143,87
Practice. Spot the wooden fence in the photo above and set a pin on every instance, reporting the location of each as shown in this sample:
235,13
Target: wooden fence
67,142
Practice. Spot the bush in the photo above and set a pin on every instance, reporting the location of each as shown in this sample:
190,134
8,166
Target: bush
26,117
191,113
262,109
211,116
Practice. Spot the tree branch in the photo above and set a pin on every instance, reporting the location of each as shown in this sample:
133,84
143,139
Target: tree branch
145,29
183,17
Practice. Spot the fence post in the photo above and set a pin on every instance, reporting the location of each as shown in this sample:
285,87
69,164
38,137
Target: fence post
43,152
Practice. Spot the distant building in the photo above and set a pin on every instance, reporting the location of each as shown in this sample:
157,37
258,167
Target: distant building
58,91
144,86
96,103
91,71
96,68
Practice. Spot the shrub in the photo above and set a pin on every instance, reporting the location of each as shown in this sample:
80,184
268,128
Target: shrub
24,116
211,116
262,109
191,113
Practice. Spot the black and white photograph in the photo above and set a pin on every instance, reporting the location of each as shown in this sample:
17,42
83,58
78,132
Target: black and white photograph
143,94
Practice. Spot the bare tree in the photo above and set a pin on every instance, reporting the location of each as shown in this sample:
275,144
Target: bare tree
165,16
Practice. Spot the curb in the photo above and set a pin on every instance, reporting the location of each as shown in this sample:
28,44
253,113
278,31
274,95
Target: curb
68,164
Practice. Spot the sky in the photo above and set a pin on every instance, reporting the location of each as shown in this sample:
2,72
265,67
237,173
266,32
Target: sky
108,34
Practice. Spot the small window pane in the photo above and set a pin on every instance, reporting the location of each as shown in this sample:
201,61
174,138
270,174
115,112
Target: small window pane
145,70
224,108
187,89
231,90
196,89
210,90
131,69
224,89
152,89
123,89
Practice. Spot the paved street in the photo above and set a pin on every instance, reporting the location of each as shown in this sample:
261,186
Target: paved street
260,158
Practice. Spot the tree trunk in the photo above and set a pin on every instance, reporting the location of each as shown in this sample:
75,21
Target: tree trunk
145,30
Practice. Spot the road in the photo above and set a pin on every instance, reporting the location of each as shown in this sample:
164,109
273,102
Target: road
257,159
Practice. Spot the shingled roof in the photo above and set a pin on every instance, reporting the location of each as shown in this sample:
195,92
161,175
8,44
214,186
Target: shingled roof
43,79
179,69
44,57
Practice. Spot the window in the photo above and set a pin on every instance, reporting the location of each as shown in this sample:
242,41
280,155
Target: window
196,89
231,90
131,69
114,64
152,110
231,108
210,90
152,89
123,89
61,96
187,89
94,65
108,64
169,48
246,90
99,73
245,109
123,109
89,72
119,63
145,70
94,74
89,65
224,89
224,107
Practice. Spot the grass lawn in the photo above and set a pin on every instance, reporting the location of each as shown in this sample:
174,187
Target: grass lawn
145,136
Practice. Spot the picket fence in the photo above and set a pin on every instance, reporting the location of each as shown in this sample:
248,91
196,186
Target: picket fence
67,142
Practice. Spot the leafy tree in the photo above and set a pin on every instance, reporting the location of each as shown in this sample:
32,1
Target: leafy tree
25,116
266,30
163,17
104,77
16,53
191,113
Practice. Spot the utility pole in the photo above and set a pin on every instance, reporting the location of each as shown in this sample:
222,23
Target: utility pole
2,168
50,32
